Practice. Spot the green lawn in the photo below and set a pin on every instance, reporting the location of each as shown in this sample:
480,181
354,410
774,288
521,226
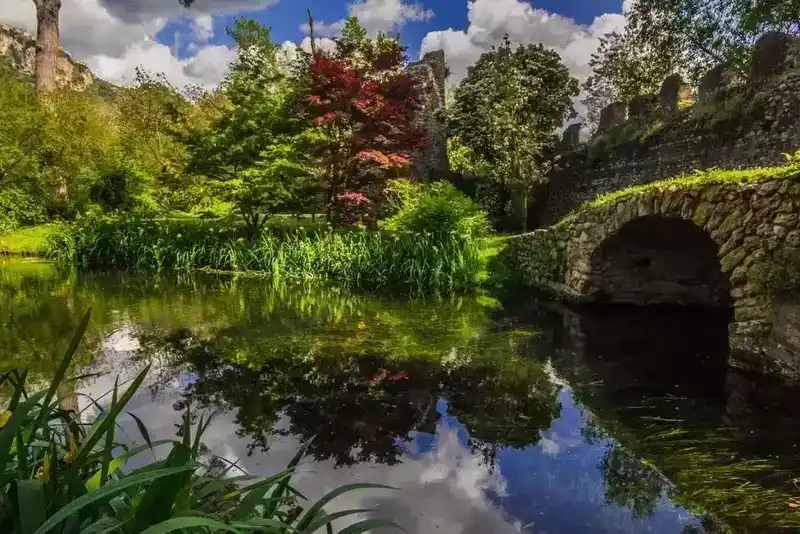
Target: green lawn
30,241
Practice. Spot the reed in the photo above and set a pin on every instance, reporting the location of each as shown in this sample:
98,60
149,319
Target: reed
358,259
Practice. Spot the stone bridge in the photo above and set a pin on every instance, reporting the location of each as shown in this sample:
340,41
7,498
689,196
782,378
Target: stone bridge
724,239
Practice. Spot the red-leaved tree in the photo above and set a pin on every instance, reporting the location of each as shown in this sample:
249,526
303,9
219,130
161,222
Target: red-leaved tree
368,107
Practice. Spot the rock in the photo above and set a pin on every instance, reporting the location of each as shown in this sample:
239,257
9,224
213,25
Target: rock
769,56
793,238
711,83
611,116
733,259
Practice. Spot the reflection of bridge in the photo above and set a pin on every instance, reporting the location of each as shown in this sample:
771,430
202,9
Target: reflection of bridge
657,381
719,245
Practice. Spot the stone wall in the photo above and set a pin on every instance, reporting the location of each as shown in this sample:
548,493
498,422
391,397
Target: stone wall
20,49
748,223
431,162
738,121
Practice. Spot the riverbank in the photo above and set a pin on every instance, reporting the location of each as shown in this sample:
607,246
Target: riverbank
352,259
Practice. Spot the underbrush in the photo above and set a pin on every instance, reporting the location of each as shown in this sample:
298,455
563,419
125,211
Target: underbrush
358,259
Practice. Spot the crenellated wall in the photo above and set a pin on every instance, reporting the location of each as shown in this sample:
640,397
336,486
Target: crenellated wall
730,121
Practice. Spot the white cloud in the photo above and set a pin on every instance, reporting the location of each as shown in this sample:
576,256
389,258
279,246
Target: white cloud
203,28
377,16
491,20
114,37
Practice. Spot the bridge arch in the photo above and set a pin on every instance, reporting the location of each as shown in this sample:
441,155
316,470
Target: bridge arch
658,260
732,242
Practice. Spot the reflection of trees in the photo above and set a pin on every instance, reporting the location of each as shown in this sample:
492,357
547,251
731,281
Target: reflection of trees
360,404
632,483
359,374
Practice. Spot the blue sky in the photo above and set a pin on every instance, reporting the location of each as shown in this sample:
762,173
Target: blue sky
113,37
287,16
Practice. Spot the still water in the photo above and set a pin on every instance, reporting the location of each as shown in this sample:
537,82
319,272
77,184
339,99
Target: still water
488,418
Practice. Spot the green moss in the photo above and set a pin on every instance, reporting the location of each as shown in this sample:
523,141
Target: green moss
697,180
31,241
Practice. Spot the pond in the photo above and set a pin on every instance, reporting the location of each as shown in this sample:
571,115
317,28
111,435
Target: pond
488,418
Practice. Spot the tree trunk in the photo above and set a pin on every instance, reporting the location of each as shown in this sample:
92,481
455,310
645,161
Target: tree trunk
46,44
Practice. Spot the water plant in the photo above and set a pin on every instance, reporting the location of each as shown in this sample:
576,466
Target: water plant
357,259
61,475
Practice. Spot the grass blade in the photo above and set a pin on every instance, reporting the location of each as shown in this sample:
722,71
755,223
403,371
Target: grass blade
184,523
316,508
109,419
371,524
32,505
62,369
109,490
142,429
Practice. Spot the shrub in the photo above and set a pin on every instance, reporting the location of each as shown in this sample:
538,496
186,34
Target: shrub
18,208
120,189
436,209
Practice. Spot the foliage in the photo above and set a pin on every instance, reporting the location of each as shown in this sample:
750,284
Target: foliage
365,105
507,110
357,259
54,475
437,208
18,208
255,146
621,71
21,122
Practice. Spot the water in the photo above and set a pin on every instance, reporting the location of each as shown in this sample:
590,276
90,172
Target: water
489,419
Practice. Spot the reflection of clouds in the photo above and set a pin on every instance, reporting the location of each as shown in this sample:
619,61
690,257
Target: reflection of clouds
443,489
550,447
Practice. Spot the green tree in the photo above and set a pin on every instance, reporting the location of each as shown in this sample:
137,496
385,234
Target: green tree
507,112
20,123
702,33
257,147
622,70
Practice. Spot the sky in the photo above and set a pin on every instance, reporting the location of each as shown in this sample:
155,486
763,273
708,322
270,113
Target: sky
113,37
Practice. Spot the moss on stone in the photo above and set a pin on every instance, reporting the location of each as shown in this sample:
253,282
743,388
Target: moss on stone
695,181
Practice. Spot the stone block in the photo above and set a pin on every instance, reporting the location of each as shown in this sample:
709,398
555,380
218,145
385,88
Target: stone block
611,116
711,84
669,95
769,56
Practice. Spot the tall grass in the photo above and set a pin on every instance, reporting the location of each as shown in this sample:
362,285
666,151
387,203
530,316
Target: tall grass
353,259
58,475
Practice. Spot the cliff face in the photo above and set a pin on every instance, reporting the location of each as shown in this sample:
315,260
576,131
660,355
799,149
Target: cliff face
19,48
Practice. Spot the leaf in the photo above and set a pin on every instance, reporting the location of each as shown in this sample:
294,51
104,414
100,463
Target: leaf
109,446
109,418
110,490
32,505
157,503
328,519
94,482
181,523
270,525
62,370
315,509
371,524
9,432
142,429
